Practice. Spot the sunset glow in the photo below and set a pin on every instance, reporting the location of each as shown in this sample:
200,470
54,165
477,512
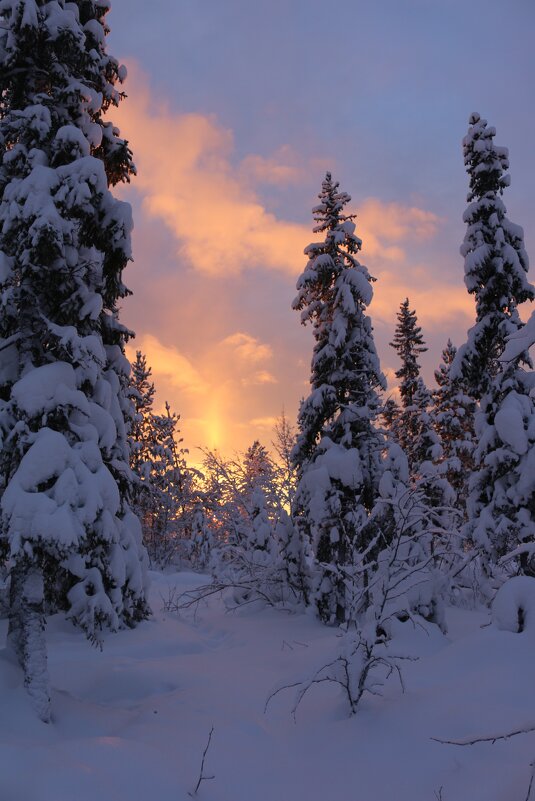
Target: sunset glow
222,209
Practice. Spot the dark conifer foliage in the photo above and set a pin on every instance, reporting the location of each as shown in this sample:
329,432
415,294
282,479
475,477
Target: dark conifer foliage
408,343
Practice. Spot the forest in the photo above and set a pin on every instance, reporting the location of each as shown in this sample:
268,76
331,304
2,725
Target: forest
382,531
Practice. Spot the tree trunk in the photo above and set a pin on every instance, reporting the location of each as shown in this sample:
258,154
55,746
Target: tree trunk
26,634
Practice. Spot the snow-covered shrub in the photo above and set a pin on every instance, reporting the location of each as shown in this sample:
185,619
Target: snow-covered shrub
388,586
513,607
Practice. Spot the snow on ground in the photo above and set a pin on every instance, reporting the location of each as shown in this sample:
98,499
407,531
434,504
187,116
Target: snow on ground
131,722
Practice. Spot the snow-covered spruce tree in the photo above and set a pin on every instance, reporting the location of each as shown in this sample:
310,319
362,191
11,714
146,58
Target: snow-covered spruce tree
425,446
283,444
260,472
169,501
141,432
397,583
294,559
261,540
229,486
248,567
495,261
409,422
453,419
71,539
202,539
424,454
338,449
408,343
143,445
389,416
164,494
412,427
501,502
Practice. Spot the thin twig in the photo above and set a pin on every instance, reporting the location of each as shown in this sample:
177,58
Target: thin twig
530,785
202,777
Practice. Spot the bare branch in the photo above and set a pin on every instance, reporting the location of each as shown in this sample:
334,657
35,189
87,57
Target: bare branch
202,777
492,738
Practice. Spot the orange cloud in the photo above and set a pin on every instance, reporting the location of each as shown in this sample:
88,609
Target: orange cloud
189,179
259,378
383,226
169,363
434,301
228,387
264,423
248,348
215,395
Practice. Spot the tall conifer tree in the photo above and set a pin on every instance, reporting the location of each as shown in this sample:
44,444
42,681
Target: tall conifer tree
495,260
72,541
408,343
501,503
338,450
411,425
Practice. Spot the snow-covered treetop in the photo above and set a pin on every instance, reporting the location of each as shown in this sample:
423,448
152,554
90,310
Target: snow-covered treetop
408,343
333,293
328,213
495,260
484,161
328,259
54,70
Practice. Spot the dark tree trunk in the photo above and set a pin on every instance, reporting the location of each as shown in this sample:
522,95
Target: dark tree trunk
26,634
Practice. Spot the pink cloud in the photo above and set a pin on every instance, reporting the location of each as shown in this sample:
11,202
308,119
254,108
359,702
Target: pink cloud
248,348
201,202
189,178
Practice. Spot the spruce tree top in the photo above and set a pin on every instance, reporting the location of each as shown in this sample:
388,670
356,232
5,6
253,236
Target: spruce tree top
333,293
408,343
53,57
496,263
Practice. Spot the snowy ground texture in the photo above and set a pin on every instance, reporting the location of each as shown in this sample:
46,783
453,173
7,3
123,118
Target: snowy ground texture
131,723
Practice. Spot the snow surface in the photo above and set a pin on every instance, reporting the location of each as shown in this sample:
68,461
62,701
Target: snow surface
131,722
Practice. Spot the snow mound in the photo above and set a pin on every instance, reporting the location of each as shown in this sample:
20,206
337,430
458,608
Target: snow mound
513,608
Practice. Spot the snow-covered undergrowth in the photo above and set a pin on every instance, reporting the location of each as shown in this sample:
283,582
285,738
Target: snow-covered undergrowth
131,722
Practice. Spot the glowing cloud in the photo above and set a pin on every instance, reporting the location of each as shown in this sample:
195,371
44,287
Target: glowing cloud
383,226
248,348
170,364
204,216
264,423
259,378
435,301
190,180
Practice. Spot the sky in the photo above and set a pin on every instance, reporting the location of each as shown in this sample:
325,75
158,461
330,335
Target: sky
235,111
